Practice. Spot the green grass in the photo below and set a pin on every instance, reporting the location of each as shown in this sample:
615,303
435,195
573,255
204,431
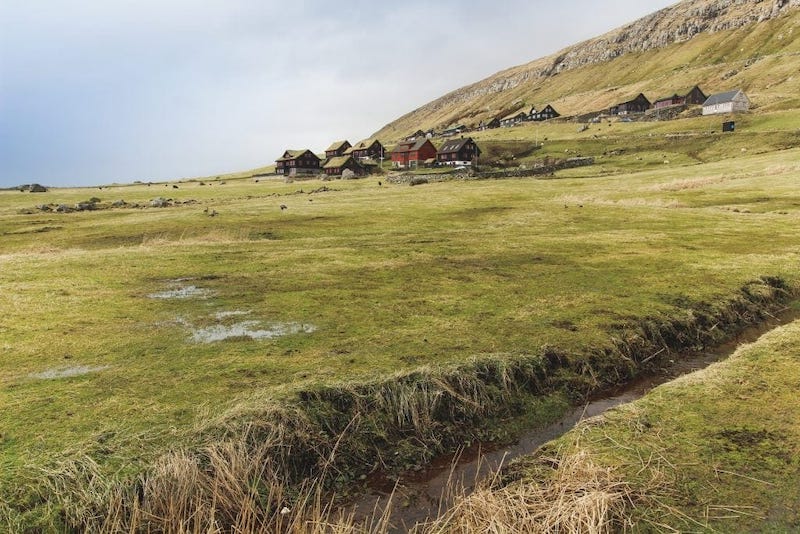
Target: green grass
392,278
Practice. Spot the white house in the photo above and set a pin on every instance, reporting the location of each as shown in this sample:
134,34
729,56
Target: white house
728,102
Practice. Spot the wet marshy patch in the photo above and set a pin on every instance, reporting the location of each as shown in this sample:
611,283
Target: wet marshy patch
181,292
248,330
68,372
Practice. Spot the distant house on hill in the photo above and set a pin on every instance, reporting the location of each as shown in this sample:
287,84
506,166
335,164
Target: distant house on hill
367,149
294,162
461,151
336,166
694,96
513,119
728,102
409,154
416,135
640,104
454,130
489,124
547,113
337,149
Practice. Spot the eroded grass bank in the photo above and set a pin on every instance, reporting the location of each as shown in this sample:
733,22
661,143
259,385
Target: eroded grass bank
264,468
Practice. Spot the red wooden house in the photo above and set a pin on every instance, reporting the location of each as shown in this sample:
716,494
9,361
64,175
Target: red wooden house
409,154
694,96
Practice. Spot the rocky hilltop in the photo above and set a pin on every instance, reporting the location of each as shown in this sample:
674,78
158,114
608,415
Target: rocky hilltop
681,22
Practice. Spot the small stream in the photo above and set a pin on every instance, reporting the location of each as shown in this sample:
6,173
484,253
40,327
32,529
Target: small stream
421,496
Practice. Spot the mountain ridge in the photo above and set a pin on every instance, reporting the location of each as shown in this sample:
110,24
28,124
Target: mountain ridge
679,23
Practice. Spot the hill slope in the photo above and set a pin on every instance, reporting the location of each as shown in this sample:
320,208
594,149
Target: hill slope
751,44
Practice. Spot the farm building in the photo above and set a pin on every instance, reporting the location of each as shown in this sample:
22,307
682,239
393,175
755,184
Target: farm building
294,162
728,102
409,154
694,96
337,149
458,152
489,124
416,135
454,130
367,149
513,119
336,166
640,104
547,113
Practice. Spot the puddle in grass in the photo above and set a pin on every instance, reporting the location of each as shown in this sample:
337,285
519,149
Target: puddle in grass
418,497
185,292
248,329
68,372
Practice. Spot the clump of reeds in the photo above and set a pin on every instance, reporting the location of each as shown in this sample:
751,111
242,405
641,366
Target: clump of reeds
579,496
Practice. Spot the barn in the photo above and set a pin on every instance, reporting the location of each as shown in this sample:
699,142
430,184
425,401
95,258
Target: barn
729,102
694,96
640,104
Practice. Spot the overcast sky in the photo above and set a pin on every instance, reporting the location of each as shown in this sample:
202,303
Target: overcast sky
94,92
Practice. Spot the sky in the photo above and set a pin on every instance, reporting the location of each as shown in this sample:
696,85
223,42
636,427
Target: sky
113,91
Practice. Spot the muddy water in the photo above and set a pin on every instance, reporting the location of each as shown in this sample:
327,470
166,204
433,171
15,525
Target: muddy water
421,496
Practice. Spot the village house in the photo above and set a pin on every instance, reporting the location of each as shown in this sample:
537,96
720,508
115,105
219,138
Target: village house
294,162
728,102
547,113
336,166
640,104
409,154
490,124
453,130
513,119
694,96
367,149
458,152
337,149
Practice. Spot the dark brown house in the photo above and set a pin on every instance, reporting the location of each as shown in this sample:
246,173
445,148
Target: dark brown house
695,96
295,162
367,149
409,154
461,151
337,149
547,113
640,104
336,166
489,124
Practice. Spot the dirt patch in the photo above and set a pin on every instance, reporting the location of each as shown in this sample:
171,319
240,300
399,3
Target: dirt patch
68,372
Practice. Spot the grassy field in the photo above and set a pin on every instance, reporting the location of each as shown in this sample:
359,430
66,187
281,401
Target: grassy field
125,331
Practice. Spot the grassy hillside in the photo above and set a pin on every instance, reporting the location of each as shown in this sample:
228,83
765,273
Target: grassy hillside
763,59
131,331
